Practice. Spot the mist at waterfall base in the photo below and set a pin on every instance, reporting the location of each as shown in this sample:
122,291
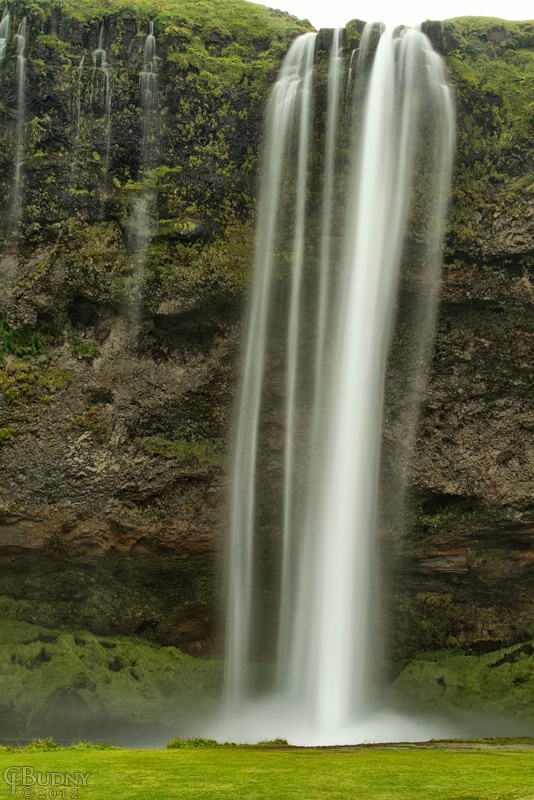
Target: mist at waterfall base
335,245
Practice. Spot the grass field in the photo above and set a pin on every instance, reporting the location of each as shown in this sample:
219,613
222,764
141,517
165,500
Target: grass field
439,771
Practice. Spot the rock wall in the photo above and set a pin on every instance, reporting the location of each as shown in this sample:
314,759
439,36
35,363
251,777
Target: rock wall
118,357
116,388
465,571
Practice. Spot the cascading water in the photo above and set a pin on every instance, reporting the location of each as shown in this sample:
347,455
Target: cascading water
5,25
148,88
141,224
77,125
286,103
101,91
91,117
329,288
16,202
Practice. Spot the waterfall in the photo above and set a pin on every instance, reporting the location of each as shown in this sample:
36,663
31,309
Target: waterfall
92,107
75,153
5,24
142,219
332,248
286,103
101,91
16,203
148,86
79,101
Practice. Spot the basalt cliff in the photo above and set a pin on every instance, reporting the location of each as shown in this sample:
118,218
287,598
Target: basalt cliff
126,244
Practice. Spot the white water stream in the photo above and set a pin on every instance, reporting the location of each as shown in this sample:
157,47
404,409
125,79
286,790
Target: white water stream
102,91
5,24
339,268
21,64
148,87
143,217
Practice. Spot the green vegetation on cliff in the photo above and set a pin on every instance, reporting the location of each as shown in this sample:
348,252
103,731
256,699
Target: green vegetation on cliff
247,21
492,66
84,171
183,451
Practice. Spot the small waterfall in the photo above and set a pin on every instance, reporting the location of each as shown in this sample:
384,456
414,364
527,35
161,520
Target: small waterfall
16,203
142,219
326,279
148,88
75,152
79,97
92,107
5,25
102,92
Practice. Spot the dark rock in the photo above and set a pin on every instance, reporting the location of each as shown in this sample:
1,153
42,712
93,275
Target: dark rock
511,658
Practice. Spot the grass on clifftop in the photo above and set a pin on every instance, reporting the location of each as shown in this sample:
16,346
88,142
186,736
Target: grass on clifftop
237,18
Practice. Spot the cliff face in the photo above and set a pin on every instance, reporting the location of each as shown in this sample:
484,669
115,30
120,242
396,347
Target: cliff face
124,264
127,189
466,567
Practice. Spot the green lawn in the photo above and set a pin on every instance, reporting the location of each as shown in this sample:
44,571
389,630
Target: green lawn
374,773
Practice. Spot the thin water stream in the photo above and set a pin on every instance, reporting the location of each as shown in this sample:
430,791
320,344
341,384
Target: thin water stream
143,216
5,27
101,91
16,201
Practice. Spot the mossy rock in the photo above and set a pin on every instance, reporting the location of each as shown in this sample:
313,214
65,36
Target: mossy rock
97,684
495,688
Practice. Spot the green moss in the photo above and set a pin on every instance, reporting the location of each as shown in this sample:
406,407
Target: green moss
11,608
497,684
178,227
23,341
446,516
26,381
492,68
57,46
13,631
244,21
91,420
5,435
55,380
203,452
221,268
83,348
119,679
95,259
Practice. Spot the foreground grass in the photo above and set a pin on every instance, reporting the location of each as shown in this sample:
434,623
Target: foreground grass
376,773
